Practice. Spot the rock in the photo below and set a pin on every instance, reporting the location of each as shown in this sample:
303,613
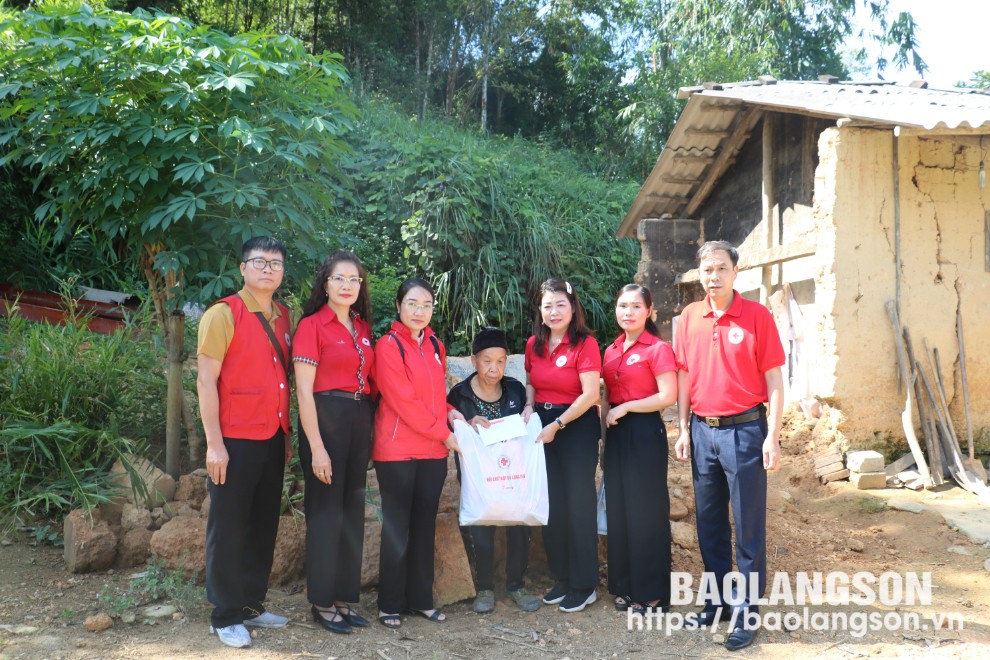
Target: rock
112,511
19,629
372,552
961,550
204,508
450,497
452,572
865,461
160,486
718,638
128,617
159,611
906,505
868,480
678,510
986,565
134,548
134,517
98,622
684,535
177,508
855,545
677,492
181,545
786,496
192,489
88,546
290,551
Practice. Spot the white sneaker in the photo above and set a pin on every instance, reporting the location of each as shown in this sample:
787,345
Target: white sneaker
267,620
236,635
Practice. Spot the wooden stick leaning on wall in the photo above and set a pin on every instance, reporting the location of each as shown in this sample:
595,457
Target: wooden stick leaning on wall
936,464
972,462
904,373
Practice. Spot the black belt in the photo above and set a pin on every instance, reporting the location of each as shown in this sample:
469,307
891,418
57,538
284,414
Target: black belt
344,394
552,406
732,420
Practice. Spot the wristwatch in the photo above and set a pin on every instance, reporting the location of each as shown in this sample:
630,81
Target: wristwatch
560,424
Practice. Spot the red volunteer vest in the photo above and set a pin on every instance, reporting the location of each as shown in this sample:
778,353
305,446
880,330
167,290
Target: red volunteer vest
253,388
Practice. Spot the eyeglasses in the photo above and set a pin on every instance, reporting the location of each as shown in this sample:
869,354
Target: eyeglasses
259,263
339,280
416,307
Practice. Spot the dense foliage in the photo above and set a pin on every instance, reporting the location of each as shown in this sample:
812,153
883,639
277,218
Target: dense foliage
485,218
168,139
71,403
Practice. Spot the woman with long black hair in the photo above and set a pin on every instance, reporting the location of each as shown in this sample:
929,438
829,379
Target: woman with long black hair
563,365
640,381
333,360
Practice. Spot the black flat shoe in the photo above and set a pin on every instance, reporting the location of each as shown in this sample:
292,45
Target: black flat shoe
352,617
337,623
740,638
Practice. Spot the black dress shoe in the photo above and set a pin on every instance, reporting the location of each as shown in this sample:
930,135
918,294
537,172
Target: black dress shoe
336,623
740,638
353,618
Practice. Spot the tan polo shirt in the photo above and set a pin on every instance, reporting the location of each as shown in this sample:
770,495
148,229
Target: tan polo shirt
216,328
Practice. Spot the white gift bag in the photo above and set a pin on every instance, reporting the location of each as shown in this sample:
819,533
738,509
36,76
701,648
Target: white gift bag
504,483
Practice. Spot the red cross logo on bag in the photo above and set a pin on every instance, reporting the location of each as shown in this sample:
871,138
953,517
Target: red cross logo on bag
504,462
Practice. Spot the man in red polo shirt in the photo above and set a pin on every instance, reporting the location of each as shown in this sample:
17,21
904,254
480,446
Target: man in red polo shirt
729,356
244,404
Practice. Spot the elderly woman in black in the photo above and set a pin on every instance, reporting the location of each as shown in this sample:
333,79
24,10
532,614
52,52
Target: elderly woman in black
485,395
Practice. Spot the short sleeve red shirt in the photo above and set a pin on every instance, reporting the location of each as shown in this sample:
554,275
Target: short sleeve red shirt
326,343
632,375
726,358
556,377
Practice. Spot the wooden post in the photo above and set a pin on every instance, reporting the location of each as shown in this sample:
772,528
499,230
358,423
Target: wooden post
769,204
173,418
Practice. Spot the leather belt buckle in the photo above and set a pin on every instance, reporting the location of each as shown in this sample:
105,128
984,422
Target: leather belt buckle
712,421
547,406
357,396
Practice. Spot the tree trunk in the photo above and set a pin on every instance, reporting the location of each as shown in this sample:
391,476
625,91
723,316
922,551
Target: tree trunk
173,417
484,99
194,440
429,72
316,23
452,75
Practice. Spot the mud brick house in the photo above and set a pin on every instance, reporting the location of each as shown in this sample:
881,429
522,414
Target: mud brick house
841,197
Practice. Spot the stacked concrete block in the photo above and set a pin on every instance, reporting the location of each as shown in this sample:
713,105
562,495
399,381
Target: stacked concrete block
829,466
866,469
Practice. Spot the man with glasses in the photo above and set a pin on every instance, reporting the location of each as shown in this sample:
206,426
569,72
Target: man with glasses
244,404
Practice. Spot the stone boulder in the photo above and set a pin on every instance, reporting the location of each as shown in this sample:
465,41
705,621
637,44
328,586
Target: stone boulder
372,552
684,535
90,544
192,489
134,517
160,486
134,548
181,545
450,497
204,508
678,510
452,572
290,551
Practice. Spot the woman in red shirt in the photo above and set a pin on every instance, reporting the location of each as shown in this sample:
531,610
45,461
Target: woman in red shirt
563,366
640,381
333,361
412,442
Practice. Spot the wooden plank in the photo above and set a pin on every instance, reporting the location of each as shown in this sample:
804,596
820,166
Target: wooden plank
679,181
774,255
691,158
899,465
726,155
834,476
906,417
827,459
927,429
830,469
709,132
668,198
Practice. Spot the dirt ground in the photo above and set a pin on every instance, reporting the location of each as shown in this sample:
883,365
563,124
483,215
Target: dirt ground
811,528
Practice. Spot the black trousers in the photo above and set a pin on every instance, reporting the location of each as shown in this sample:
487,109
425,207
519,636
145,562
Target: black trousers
410,492
517,539
241,529
571,534
638,508
335,513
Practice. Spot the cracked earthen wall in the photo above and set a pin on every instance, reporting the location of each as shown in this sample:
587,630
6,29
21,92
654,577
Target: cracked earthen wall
942,212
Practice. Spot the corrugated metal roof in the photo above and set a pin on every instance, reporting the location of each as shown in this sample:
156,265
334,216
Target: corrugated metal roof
717,120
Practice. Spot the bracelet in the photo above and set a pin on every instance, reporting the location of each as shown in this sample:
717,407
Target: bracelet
560,424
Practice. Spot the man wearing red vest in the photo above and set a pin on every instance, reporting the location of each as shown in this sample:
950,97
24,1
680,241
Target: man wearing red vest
244,403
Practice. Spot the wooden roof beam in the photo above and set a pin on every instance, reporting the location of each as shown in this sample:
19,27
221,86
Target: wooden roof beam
726,156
